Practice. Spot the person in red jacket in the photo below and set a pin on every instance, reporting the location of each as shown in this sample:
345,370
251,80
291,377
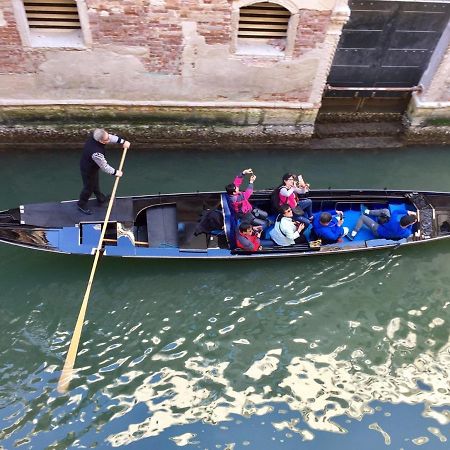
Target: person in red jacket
247,238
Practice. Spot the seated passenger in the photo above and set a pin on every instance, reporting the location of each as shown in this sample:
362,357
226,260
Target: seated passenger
248,238
239,201
290,191
397,225
329,227
286,231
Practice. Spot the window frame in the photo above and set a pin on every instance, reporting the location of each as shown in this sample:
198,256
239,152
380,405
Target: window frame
236,42
38,38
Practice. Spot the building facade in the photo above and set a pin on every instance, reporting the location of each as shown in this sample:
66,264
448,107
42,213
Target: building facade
240,67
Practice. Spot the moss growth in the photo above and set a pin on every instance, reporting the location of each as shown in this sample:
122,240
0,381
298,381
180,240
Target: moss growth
151,115
160,125
438,122
58,115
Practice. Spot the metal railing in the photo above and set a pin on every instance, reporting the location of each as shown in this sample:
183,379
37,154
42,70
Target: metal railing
418,88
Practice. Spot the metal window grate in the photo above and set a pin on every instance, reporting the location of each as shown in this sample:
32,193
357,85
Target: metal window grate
52,14
263,20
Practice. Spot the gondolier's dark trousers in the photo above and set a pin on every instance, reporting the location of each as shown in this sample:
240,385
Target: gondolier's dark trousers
90,186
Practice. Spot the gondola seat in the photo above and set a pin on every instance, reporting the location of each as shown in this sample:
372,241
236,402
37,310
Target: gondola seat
162,227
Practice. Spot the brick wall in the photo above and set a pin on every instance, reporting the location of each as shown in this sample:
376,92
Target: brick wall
151,33
311,31
158,27
155,26
12,57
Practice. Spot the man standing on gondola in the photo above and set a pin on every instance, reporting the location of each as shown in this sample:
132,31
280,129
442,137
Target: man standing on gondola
92,160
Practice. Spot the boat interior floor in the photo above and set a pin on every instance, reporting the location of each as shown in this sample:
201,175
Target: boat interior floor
65,214
352,212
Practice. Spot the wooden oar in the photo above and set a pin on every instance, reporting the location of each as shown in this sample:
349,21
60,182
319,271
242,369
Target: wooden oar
135,242
67,372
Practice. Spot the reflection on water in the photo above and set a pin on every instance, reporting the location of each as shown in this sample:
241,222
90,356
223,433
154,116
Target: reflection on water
325,353
298,345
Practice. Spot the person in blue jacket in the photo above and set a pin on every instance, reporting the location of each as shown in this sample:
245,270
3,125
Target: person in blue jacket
329,227
395,225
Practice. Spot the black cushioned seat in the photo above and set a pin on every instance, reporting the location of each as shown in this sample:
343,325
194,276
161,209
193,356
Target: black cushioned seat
162,227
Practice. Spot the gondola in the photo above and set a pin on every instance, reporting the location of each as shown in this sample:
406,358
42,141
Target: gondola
168,226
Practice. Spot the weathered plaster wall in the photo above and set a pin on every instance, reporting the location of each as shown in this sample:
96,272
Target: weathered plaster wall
436,79
429,110
169,50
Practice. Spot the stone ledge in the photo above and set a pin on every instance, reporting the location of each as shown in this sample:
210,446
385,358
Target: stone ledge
347,129
161,135
71,114
363,143
427,135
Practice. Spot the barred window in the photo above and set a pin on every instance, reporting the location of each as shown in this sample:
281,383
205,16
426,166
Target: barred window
53,23
263,20
52,14
262,29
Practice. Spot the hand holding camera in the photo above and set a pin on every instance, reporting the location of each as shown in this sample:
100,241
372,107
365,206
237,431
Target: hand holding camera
257,230
301,182
300,226
340,217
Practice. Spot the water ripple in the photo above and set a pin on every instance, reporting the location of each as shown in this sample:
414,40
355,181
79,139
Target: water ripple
295,350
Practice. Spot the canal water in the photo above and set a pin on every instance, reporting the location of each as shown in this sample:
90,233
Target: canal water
333,352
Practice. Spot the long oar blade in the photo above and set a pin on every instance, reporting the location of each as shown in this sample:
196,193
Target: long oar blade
67,371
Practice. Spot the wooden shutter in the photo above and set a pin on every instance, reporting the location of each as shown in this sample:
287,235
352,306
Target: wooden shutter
52,14
263,20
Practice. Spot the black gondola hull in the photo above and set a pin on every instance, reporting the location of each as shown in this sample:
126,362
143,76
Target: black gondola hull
166,226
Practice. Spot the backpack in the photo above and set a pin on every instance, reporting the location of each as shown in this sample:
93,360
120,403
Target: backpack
275,199
211,220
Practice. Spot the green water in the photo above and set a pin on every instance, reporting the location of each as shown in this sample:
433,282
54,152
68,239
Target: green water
333,352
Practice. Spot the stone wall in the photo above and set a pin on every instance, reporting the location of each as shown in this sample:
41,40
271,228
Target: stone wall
428,113
173,53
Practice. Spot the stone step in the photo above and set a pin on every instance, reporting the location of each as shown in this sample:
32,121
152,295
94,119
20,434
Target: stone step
341,117
339,143
348,129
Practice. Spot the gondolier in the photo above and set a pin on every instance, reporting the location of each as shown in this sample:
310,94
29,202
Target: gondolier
92,160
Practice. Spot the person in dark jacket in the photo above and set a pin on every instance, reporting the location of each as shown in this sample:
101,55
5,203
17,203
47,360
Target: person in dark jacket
92,160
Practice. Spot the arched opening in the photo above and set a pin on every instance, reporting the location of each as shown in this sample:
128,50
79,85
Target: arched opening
263,29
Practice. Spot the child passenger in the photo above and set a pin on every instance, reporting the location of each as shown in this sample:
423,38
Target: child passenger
248,237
